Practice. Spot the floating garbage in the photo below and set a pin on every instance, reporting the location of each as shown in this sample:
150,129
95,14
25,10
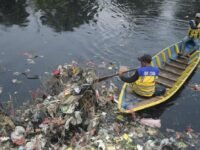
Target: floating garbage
16,81
16,73
90,64
139,147
18,135
30,61
4,139
1,90
69,112
195,87
151,122
27,70
101,145
102,65
29,55
110,66
30,76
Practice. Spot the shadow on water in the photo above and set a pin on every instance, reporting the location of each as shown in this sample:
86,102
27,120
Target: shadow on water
13,12
65,15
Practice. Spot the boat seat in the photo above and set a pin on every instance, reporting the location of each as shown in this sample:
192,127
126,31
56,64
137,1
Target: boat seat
168,75
165,82
172,69
182,60
176,66
175,61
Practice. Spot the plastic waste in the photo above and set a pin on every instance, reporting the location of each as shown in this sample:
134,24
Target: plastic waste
151,122
120,117
4,139
16,73
16,81
152,131
181,145
139,147
21,148
116,127
1,90
68,109
90,64
17,136
101,145
150,145
67,123
77,90
126,137
102,65
80,115
38,142
52,109
29,55
30,61
195,87
56,72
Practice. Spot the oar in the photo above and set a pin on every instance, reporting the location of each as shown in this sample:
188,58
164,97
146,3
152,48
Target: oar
110,76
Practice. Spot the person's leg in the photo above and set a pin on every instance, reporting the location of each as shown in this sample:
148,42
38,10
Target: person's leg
159,91
183,48
197,44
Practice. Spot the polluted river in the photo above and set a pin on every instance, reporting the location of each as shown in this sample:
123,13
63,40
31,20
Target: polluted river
50,51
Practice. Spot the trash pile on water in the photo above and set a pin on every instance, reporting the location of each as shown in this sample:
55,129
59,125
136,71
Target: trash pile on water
74,113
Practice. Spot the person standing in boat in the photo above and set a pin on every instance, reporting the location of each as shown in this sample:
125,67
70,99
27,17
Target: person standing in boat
193,35
144,79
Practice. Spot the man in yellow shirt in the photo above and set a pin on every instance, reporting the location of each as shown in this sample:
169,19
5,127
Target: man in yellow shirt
144,80
193,36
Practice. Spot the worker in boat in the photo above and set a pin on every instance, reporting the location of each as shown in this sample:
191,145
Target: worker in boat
193,35
144,79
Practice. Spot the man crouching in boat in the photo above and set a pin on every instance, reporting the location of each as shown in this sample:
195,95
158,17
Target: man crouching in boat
144,79
193,36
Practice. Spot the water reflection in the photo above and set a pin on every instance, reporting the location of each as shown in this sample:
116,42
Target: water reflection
135,7
13,12
65,15
187,8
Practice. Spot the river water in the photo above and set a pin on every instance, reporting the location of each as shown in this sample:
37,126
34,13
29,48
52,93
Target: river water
94,30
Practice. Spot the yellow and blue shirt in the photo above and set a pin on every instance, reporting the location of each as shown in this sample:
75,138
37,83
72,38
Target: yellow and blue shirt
143,81
194,30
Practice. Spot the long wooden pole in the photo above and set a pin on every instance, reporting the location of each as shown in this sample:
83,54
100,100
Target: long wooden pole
110,76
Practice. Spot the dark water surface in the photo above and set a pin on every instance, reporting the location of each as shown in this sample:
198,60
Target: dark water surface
94,30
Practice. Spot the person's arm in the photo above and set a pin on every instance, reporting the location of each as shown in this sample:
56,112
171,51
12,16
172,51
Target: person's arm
192,24
130,79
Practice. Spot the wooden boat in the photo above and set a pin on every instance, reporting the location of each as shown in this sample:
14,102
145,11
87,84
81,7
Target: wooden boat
174,71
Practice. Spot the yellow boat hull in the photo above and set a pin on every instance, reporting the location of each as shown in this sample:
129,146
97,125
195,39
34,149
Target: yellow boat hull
175,71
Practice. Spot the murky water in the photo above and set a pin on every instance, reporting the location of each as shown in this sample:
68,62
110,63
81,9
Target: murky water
93,30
